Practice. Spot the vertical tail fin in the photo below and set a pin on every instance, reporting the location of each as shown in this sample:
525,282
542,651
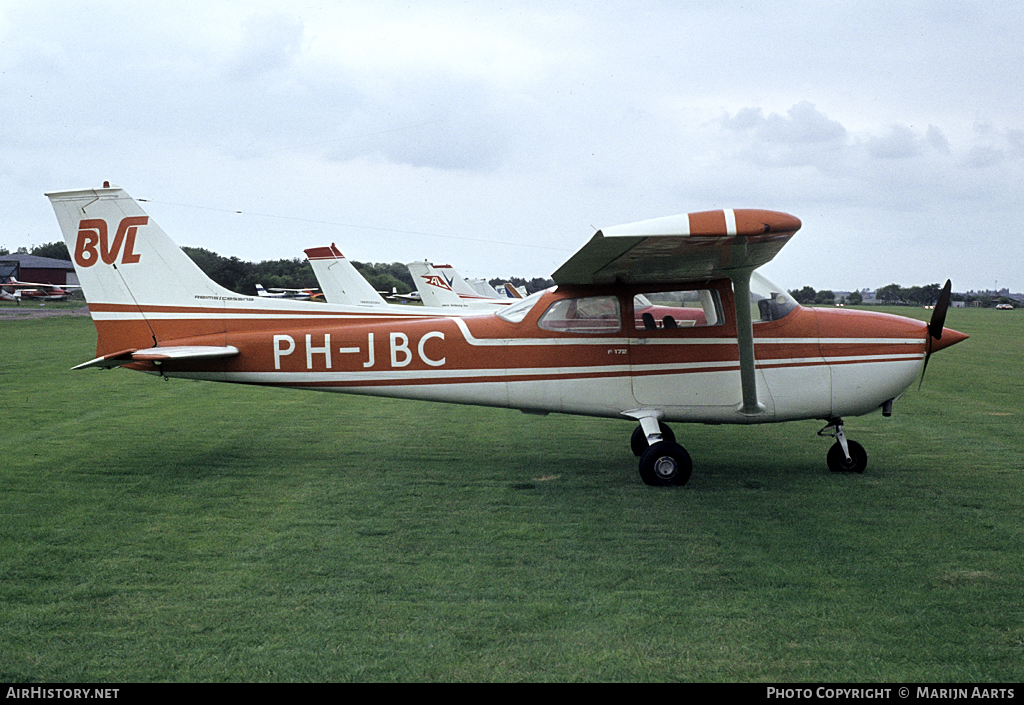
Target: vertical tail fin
455,280
484,288
434,289
123,258
138,282
339,280
512,292
440,288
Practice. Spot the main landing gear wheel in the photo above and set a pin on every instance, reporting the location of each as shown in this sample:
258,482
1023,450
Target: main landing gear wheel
837,461
665,463
638,441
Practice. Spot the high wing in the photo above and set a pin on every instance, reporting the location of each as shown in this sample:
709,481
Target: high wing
686,248
680,248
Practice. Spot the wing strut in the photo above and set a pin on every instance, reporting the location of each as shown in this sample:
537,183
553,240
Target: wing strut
745,339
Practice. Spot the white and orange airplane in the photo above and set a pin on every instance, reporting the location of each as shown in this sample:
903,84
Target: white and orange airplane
720,345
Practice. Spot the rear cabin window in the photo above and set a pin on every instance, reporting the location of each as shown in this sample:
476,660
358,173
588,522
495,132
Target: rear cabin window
588,315
665,310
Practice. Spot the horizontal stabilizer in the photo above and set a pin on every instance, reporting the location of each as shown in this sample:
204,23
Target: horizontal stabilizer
161,354
185,352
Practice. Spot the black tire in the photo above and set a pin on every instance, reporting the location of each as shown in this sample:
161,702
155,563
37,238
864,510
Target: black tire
638,441
664,464
837,461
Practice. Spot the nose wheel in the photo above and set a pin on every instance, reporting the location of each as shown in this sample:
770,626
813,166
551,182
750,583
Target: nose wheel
845,455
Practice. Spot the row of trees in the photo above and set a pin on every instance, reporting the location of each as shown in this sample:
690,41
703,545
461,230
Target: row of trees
55,250
826,297
242,277
896,295
893,294
909,296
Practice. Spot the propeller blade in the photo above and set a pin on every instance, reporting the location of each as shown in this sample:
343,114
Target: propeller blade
939,314
924,368
936,325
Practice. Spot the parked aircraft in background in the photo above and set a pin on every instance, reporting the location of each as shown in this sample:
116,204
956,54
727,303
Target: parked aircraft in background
14,290
512,292
468,291
442,287
751,354
339,280
411,298
282,293
483,288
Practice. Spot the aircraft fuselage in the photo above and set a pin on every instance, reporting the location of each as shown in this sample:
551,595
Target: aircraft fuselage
812,363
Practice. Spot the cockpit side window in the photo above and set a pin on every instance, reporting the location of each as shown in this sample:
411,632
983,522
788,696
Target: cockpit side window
662,310
590,315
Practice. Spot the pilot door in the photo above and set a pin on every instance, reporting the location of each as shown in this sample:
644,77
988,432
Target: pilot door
683,353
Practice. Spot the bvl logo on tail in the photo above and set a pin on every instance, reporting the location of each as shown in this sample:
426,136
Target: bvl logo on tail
92,233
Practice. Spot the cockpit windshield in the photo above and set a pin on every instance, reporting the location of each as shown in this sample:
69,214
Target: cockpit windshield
768,301
517,312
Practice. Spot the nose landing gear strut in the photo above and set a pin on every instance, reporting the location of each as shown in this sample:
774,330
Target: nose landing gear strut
844,455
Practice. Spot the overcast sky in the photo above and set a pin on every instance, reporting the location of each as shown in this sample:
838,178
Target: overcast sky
498,136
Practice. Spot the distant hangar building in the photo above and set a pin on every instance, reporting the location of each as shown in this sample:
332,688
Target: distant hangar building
41,270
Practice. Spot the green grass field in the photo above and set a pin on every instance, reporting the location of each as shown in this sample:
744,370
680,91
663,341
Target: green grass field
184,531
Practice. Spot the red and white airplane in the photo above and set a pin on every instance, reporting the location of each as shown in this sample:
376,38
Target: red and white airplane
441,286
340,281
721,344
14,290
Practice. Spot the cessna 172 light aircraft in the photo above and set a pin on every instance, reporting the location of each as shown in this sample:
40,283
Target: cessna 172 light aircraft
658,321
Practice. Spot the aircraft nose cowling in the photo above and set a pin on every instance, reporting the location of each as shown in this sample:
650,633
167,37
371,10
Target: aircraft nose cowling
949,337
